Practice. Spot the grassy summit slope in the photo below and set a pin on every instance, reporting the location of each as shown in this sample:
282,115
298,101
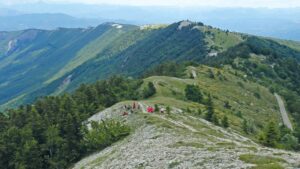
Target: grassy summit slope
247,99
182,139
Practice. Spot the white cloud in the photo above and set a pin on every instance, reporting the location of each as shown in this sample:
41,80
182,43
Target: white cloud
215,3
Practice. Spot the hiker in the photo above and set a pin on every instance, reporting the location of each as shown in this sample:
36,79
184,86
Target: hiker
150,109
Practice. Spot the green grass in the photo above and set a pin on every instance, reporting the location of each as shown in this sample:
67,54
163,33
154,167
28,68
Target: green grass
221,39
268,166
292,44
251,148
174,164
158,122
262,162
226,144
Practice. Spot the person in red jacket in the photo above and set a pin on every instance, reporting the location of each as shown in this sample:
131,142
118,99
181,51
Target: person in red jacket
150,109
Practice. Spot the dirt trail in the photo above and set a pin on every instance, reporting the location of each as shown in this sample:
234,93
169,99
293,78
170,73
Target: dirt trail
284,115
177,123
194,74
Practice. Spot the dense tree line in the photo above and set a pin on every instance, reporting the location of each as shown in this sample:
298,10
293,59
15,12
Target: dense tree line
50,133
192,93
278,137
149,91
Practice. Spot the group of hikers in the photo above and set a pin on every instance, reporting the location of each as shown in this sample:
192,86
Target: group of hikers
129,109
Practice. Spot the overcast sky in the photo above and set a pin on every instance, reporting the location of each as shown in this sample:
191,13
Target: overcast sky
214,3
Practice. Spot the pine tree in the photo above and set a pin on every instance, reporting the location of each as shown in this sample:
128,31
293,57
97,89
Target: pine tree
188,110
239,114
210,109
168,109
225,123
211,74
297,132
193,93
156,108
227,105
199,112
3,122
215,119
245,126
271,135
150,90
53,145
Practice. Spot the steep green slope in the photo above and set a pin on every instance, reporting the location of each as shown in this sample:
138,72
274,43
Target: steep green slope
34,56
108,40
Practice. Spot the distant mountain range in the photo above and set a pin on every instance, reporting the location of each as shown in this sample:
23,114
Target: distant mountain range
12,21
279,23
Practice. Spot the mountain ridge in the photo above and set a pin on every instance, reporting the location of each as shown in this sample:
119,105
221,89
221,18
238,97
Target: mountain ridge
46,21
101,54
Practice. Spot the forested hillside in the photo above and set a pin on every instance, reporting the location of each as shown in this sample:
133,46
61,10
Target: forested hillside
51,133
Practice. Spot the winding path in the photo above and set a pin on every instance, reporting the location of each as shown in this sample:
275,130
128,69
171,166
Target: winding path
284,115
177,123
194,74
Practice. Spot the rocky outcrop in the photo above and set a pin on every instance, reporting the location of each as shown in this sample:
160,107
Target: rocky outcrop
21,41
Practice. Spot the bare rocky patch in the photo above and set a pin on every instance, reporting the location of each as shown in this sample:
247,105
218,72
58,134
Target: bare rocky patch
160,141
